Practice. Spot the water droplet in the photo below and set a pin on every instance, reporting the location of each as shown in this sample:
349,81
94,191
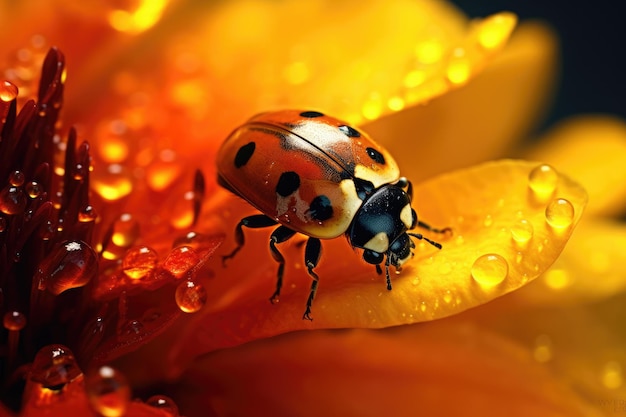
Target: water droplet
522,231
542,180
181,260
163,172
542,351
197,241
114,183
190,296
125,231
447,297
560,213
8,91
14,320
87,214
33,189
54,366
423,306
12,200
459,67
131,327
490,270
71,264
108,392
17,178
164,403
139,262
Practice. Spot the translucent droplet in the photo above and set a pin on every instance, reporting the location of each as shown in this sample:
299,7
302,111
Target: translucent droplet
113,183
54,366
71,264
17,178
447,297
33,189
162,173
108,392
8,91
181,260
459,67
197,241
139,262
164,403
87,214
522,231
612,375
14,320
490,270
125,231
131,327
560,213
542,351
190,297
12,200
542,180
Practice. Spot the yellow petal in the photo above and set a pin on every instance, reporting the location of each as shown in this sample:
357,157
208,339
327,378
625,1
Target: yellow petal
501,240
592,267
481,120
592,150
440,369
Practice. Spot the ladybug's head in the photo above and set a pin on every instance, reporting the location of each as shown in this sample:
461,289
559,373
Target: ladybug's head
381,224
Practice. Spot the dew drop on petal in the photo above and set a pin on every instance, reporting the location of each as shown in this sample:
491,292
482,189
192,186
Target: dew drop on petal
87,214
542,180
612,375
12,200
190,296
71,264
181,260
165,403
197,241
490,270
139,262
33,189
14,320
54,366
8,91
522,231
125,231
114,183
560,213
16,178
459,67
108,392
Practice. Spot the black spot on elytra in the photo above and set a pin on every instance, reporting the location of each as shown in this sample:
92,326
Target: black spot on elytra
311,114
320,208
375,155
288,183
349,131
243,154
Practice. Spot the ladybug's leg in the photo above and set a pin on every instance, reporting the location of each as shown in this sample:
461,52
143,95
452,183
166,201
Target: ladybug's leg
420,236
312,254
254,222
279,235
387,277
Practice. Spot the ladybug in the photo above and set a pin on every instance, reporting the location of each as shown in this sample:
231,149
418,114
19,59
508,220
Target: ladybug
312,174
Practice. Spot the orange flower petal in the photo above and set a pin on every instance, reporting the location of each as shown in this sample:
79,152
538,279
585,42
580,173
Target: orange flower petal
481,120
439,369
592,149
504,235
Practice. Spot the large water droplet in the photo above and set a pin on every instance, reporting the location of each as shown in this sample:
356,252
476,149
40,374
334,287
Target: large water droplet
71,264
490,270
33,189
12,200
560,213
54,366
108,392
190,296
181,260
17,178
542,180
8,91
139,262
113,183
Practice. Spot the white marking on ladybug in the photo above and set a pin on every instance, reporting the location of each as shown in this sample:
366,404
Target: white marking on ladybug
379,243
406,216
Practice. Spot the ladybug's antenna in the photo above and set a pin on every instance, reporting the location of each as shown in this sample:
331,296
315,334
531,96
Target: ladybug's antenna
420,236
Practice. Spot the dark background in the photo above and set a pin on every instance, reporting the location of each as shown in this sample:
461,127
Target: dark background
593,47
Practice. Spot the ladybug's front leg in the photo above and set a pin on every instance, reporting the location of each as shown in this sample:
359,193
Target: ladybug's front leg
279,235
312,254
255,221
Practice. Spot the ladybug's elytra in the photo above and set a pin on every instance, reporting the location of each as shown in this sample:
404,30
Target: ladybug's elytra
312,174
